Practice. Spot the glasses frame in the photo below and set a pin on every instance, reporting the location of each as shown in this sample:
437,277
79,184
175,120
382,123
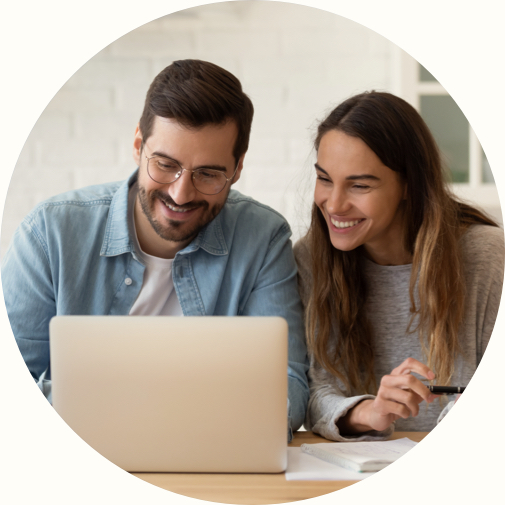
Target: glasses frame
192,172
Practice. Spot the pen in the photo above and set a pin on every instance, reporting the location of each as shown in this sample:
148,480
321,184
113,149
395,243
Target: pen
446,390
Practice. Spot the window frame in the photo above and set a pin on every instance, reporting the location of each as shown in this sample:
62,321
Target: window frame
408,86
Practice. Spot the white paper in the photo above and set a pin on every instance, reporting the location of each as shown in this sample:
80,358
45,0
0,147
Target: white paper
302,466
362,452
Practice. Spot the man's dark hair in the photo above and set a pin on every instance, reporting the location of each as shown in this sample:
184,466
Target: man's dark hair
197,93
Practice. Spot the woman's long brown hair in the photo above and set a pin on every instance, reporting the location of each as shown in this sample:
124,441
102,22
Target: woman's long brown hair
338,332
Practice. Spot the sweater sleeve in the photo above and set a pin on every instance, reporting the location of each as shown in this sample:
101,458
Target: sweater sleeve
483,253
329,400
487,243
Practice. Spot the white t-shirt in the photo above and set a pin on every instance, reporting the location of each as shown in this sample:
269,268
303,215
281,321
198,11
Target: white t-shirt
157,296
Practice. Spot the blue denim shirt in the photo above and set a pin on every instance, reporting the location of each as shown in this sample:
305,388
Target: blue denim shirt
74,254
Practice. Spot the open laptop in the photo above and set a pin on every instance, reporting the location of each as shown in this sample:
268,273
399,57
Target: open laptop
175,394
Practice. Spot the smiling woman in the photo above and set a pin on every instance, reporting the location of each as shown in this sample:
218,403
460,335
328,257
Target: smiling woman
396,274
360,198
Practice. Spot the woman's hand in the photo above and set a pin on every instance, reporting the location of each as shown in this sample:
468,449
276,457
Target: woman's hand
399,395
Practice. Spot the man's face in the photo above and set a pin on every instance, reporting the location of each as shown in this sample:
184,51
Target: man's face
169,216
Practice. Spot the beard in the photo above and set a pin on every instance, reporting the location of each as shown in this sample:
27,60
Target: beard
176,231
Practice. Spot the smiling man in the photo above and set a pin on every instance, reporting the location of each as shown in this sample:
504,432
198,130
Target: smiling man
173,239
167,221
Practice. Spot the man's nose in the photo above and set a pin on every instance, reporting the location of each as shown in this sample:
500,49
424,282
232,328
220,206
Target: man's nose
182,190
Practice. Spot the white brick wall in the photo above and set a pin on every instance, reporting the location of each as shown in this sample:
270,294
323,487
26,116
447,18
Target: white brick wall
295,63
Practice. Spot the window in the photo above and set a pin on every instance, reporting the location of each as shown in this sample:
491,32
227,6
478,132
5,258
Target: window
469,170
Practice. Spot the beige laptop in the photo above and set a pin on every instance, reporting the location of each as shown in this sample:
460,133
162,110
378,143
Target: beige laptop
175,394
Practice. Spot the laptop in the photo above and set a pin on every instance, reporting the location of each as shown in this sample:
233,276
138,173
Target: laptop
175,394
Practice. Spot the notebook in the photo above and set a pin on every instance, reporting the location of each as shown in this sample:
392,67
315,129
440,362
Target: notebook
175,394
360,456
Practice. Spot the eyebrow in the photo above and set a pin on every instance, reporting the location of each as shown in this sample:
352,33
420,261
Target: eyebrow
359,177
220,168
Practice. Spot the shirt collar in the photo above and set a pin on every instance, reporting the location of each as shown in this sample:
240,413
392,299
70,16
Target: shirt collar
210,238
117,238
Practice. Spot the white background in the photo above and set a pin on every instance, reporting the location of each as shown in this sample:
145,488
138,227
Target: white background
295,62
44,43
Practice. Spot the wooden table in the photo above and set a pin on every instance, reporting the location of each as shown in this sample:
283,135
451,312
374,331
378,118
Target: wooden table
253,488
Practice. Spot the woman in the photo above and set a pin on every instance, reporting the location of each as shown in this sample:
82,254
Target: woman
397,276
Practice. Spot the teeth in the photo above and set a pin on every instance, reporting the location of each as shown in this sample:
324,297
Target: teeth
344,224
175,209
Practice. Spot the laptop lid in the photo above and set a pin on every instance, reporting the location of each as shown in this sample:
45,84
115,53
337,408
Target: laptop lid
175,394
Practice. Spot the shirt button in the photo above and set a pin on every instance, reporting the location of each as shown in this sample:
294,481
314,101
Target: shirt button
128,281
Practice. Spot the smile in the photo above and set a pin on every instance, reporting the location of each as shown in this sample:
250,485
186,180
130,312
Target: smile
345,224
176,209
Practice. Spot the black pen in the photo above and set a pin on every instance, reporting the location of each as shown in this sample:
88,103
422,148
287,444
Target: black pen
446,390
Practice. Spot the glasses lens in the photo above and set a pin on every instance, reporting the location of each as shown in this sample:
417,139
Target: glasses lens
209,182
163,170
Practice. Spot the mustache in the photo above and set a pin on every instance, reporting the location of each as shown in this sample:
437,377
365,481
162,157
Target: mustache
167,199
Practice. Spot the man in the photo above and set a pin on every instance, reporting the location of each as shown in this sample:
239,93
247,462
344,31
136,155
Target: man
171,240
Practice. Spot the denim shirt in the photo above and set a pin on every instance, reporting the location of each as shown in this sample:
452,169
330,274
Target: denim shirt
74,254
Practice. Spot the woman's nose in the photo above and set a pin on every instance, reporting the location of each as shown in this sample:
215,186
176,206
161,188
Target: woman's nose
338,202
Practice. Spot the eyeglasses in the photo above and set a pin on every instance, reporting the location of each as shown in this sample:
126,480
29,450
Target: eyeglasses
207,181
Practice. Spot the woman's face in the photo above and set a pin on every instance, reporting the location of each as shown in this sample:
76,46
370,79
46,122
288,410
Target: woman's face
360,199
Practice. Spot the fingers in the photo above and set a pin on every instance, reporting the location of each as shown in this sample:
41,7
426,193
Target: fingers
412,365
408,382
402,402
400,393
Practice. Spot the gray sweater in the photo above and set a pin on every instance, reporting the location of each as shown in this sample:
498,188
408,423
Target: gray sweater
387,309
